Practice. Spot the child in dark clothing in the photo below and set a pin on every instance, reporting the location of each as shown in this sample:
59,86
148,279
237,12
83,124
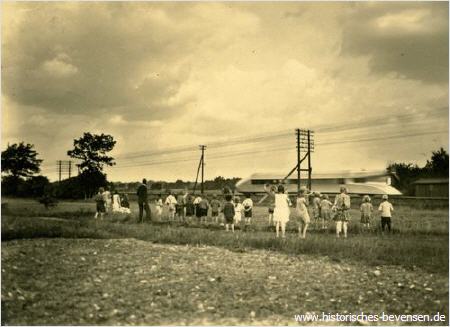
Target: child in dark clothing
100,204
124,201
228,212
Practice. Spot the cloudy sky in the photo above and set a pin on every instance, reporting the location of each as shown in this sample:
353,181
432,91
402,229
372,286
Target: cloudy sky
370,78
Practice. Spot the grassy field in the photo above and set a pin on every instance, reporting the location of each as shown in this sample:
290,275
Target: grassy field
405,220
413,262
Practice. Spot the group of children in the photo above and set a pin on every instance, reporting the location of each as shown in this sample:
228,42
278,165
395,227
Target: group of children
185,206
323,211
107,203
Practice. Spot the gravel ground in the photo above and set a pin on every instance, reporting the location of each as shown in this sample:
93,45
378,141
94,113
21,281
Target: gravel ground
116,282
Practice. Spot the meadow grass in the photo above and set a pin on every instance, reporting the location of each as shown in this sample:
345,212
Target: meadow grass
405,219
416,253
419,237
429,252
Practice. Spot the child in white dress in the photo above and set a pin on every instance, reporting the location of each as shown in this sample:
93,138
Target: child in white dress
159,207
302,212
116,202
238,207
107,199
248,210
171,203
281,211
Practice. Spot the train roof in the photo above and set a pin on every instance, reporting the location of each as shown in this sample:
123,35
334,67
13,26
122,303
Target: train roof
327,175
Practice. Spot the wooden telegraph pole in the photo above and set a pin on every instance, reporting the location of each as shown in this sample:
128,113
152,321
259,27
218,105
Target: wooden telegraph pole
59,162
309,160
304,142
64,167
203,147
298,160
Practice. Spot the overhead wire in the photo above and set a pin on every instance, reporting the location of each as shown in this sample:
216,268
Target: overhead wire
280,135
276,149
270,142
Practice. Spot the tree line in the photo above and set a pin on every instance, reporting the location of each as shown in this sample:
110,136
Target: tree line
21,168
407,173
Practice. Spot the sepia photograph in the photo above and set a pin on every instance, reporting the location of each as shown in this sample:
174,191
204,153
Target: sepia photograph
224,163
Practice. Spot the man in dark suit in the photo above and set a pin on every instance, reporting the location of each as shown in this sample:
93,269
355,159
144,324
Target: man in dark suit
143,201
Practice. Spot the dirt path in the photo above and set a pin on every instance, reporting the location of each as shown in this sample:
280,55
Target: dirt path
84,281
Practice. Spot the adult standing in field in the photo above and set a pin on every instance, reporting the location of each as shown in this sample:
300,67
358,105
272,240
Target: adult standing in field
142,194
342,207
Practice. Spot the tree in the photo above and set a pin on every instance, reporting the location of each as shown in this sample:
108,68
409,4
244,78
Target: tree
20,160
91,149
37,186
406,173
438,165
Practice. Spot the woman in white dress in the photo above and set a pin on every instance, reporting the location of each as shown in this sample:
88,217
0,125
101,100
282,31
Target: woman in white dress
117,205
281,211
116,202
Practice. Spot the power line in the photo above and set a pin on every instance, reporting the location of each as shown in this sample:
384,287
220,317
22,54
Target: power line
334,128
253,148
276,149
188,148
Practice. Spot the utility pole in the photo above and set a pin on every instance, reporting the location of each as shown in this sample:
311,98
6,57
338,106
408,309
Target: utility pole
298,160
59,170
202,147
304,142
64,167
309,159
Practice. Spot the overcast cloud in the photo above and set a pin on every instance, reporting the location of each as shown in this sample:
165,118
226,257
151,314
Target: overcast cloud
158,75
